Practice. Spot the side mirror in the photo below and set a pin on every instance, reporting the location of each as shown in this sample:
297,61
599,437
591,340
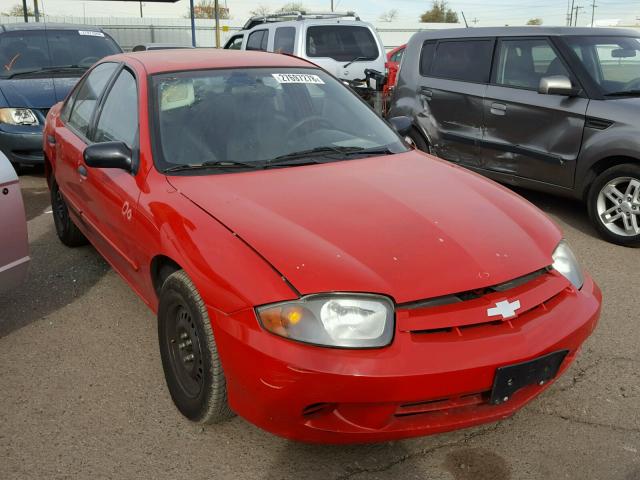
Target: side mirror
109,155
402,125
556,85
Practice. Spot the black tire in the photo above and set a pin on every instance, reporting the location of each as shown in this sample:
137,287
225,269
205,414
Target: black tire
415,137
190,360
629,171
67,231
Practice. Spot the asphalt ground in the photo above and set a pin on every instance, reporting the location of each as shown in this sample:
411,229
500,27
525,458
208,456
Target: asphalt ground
82,393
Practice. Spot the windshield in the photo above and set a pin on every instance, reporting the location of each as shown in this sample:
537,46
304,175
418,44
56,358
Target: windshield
24,51
612,62
255,116
343,43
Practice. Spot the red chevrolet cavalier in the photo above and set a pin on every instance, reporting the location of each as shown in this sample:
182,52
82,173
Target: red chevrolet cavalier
309,271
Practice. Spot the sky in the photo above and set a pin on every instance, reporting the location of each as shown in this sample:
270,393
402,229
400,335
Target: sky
480,12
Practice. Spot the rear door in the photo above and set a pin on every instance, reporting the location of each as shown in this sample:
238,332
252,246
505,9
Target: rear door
528,134
71,135
453,80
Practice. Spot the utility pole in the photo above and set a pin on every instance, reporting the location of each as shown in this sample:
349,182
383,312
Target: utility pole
571,15
475,21
593,10
24,10
217,12
568,14
193,23
575,21
140,8
332,5
36,10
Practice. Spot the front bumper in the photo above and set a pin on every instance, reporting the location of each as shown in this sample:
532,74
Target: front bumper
419,385
22,144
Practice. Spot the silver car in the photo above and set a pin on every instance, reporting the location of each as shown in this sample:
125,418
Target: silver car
14,244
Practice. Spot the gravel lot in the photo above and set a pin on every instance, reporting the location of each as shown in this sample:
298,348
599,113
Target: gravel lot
82,393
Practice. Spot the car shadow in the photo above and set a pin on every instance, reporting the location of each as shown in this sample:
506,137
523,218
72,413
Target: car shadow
570,211
57,274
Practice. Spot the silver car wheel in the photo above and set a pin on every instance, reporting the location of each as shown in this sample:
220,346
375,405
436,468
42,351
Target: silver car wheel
618,206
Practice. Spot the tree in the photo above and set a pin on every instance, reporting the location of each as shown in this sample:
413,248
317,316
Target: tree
534,21
17,11
389,15
260,11
206,9
293,7
439,13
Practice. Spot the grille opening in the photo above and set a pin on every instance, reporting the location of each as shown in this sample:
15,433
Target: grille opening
315,408
443,404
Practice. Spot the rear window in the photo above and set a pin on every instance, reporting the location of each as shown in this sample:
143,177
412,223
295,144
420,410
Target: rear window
466,61
426,57
342,43
33,49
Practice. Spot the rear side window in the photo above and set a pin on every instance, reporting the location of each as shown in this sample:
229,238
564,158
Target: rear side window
522,63
258,40
343,43
426,57
84,102
283,42
463,60
119,117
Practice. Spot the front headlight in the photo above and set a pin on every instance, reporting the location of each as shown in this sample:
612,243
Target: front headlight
333,320
18,116
564,261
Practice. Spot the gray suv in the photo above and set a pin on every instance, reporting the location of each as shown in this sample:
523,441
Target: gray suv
552,109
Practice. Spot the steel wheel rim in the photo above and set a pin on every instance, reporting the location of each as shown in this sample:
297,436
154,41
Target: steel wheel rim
185,351
618,206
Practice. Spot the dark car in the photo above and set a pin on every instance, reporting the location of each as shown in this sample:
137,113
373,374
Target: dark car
39,64
552,109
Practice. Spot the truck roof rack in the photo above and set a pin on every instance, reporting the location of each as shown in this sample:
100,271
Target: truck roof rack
297,15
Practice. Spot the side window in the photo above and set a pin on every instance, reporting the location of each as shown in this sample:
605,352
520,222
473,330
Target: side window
258,40
284,39
234,43
522,63
463,60
87,96
119,117
396,57
426,57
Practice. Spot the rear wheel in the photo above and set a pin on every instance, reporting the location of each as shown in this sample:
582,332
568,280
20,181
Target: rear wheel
67,231
190,360
415,139
614,204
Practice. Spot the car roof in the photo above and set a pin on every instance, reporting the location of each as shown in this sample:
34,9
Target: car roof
159,61
523,32
13,27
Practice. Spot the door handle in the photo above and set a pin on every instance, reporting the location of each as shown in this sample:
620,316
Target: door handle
498,108
82,170
426,92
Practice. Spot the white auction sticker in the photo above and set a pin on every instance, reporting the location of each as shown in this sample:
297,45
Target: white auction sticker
91,33
297,78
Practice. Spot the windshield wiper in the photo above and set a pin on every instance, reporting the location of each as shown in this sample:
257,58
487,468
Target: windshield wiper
357,59
59,68
294,157
622,93
226,164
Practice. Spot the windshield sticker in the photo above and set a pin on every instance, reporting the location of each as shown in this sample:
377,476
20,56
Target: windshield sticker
90,33
297,78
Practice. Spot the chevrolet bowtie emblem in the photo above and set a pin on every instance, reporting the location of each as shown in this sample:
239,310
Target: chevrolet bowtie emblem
505,309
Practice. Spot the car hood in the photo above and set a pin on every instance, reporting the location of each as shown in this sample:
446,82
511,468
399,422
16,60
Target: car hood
38,93
408,226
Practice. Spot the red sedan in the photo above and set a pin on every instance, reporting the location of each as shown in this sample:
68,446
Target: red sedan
309,271
394,57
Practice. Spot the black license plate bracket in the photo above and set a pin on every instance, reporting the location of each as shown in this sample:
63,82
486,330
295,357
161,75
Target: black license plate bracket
511,378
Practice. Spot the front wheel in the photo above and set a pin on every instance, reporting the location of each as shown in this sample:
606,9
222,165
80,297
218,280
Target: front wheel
190,360
614,204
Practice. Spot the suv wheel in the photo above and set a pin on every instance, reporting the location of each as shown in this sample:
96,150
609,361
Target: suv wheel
614,204
67,231
190,360
415,139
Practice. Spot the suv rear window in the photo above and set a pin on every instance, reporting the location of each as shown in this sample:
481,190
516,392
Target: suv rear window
464,60
341,42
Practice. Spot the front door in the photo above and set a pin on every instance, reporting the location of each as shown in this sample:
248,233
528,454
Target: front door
453,81
528,134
